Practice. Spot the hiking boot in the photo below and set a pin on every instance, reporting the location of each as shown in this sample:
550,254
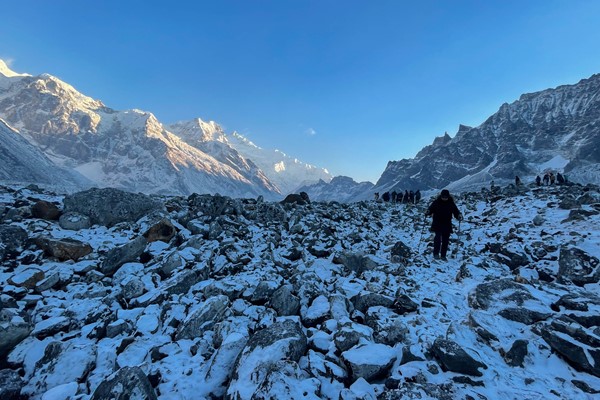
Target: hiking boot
444,258
436,256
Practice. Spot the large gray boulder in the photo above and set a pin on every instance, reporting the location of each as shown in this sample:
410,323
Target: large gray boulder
10,385
453,358
577,266
110,206
576,346
285,302
13,329
118,256
125,384
211,312
284,340
12,238
369,361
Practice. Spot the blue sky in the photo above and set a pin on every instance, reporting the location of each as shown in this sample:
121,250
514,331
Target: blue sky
345,85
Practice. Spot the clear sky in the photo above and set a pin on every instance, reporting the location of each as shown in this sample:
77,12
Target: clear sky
345,85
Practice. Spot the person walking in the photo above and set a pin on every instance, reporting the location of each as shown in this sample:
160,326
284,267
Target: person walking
442,209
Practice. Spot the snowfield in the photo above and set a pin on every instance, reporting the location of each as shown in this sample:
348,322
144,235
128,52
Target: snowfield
210,297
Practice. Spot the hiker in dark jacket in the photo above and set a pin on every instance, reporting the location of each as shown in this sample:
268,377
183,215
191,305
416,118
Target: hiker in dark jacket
417,196
442,209
538,180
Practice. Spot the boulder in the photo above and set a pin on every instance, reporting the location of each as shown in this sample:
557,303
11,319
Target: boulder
13,329
12,239
45,210
27,278
284,340
163,230
285,302
62,363
110,206
11,385
369,361
118,256
124,384
516,355
63,249
74,221
296,198
204,318
577,266
573,343
453,358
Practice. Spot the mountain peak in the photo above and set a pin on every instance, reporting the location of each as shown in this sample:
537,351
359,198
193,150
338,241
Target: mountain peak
7,72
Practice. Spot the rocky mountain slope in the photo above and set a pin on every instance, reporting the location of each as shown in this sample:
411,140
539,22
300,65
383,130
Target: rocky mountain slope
24,163
130,149
555,128
340,188
271,166
107,292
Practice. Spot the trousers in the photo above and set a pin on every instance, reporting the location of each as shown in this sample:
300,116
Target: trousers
440,243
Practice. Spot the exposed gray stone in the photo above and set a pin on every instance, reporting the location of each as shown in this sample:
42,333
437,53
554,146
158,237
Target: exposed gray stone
45,210
13,329
27,278
369,361
577,266
110,206
63,249
453,358
485,294
123,384
523,315
118,256
284,340
204,318
516,355
364,300
12,239
11,385
74,221
284,302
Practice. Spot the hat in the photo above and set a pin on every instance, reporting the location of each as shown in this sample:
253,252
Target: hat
445,193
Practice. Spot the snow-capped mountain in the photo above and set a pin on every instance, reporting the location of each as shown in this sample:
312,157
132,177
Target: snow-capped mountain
24,163
128,149
272,166
553,129
341,188
286,172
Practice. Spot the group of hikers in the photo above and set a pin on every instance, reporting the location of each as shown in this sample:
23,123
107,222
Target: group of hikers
409,197
443,209
548,179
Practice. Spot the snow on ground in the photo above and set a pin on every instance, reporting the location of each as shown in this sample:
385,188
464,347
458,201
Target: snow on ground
442,290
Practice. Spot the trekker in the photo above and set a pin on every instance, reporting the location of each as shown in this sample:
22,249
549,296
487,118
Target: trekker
538,180
559,178
552,178
546,179
417,196
517,181
442,209
386,197
376,196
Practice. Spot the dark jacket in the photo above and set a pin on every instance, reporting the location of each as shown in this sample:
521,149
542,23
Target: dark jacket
442,211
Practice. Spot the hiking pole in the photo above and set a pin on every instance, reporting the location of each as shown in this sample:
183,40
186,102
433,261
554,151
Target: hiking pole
421,236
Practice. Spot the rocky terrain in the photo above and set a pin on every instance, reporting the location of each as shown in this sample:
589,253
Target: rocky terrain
554,129
113,295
